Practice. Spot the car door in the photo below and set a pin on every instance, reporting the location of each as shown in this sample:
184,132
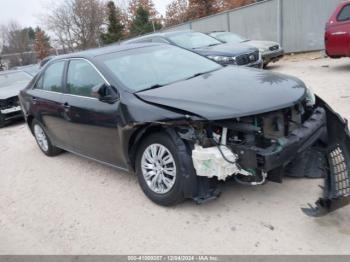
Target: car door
93,125
339,32
47,103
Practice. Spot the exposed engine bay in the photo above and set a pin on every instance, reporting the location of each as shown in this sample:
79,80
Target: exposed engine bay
273,145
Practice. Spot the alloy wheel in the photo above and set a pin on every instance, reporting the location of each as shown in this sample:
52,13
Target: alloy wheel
41,138
158,168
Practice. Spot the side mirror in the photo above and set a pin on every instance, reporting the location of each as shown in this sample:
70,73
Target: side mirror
105,93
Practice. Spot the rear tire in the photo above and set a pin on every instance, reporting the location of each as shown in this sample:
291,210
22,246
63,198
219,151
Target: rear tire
2,121
158,170
43,140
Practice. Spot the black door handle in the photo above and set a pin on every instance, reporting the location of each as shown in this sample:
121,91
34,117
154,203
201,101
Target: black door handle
66,106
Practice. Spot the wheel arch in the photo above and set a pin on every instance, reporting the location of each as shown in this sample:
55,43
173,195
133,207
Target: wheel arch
193,186
136,139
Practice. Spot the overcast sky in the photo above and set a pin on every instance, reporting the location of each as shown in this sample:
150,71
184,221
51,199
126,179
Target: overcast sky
26,11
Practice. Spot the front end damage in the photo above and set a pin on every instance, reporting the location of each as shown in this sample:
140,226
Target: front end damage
301,141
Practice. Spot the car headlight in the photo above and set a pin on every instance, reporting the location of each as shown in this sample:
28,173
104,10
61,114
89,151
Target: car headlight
310,97
222,59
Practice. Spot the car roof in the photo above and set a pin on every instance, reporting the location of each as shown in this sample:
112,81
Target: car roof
159,34
114,48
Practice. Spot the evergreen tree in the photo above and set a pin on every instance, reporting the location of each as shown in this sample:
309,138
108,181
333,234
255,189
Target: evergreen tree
115,27
141,24
176,12
31,33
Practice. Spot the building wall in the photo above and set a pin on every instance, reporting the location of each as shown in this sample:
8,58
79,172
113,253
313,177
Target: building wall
304,23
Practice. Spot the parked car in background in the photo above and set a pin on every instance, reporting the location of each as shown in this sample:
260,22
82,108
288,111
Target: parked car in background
225,54
270,51
11,83
337,36
184,122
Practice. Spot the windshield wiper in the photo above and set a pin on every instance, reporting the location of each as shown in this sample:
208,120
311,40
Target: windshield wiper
152,87
195,75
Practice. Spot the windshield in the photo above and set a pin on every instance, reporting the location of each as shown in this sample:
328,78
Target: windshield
193,40
14,79
229,37
143,68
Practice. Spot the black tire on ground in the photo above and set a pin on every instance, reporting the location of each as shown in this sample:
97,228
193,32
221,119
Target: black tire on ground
265,65
175,195
51,150
2,121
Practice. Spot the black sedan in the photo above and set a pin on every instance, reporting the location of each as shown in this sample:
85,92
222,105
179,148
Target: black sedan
184,123
11,83
224,54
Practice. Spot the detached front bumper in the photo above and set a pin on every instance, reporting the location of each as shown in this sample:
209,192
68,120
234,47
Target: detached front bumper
337,182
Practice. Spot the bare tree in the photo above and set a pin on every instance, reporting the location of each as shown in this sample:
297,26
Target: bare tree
176,12
202,8
16,39
231,4
17,44
76,24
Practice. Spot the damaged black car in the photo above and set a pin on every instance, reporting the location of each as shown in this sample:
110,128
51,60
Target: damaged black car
184,123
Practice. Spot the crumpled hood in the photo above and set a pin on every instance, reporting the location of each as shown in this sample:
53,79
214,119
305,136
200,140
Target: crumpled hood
261,44
230,92
10,91
229,49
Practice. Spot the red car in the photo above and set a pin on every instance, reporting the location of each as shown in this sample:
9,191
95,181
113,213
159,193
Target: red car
337,37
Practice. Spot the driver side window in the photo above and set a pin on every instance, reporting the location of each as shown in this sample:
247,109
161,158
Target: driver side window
82,77
51,80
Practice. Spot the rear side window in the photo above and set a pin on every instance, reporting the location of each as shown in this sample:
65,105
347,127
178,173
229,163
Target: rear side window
82,77
344,14
52,78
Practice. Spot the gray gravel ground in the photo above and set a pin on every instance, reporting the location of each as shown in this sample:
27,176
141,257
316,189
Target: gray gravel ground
70,205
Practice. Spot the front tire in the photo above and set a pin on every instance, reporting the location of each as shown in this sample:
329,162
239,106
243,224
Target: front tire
158,170
2,121
43,140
